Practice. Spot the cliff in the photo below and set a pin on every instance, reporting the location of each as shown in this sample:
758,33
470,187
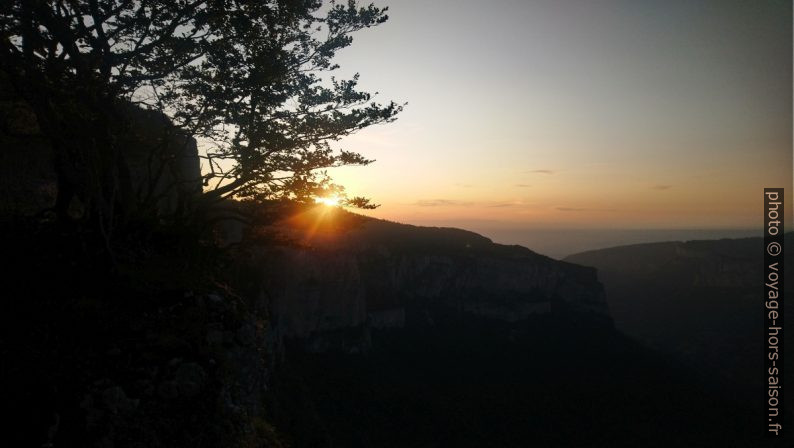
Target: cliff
346,275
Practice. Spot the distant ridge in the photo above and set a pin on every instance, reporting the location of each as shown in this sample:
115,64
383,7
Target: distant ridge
699,300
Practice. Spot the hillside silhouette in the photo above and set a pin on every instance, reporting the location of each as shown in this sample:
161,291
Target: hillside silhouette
699,301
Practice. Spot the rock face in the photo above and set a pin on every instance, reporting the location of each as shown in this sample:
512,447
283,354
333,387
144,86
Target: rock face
382,275
164,163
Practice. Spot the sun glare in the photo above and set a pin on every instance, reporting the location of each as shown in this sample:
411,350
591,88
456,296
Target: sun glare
332,201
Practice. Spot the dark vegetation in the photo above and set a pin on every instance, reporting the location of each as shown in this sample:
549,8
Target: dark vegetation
473,383
145,353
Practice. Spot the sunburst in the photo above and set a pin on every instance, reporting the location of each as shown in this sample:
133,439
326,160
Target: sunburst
331,201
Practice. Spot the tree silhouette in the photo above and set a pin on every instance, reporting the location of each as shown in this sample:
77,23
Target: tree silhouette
248,78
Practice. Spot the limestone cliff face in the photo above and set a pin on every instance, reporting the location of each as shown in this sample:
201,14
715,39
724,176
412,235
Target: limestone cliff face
386,275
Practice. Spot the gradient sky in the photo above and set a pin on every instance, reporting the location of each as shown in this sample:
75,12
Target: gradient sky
592,114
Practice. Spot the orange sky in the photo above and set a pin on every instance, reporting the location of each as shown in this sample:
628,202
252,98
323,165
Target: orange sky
547,113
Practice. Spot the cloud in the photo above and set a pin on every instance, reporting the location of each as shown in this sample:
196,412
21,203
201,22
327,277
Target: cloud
570,209
542,171
442,203
575,209
523,185
501,204
456,203
661,187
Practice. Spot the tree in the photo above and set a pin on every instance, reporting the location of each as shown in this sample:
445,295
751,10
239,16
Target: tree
248,78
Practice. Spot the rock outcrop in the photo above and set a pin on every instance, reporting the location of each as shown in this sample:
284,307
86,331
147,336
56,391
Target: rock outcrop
164,162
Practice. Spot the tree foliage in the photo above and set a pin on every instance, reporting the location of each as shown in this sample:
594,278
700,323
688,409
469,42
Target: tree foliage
248,78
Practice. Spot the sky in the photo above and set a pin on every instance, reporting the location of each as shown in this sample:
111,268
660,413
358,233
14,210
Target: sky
576,114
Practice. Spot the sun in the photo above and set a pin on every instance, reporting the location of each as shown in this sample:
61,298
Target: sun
331,201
